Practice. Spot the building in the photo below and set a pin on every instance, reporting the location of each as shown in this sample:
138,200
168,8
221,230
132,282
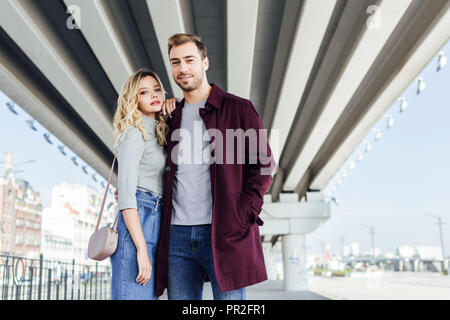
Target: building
20,214
71,219
405,251
429,252
355,249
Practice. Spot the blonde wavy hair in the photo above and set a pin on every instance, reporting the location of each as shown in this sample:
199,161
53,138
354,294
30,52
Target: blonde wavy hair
128,114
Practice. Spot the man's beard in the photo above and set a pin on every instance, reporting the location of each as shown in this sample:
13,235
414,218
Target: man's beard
196,82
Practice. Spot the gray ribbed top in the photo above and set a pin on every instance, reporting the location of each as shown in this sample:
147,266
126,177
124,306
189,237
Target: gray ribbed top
141,164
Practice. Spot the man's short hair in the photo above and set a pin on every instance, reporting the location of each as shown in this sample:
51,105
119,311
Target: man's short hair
182,38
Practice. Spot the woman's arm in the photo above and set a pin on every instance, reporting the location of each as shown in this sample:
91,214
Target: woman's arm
133,224
129,155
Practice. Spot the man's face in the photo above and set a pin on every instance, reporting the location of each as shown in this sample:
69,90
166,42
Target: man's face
188,68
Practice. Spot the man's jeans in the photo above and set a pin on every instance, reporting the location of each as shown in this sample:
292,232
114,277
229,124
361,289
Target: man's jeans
190,260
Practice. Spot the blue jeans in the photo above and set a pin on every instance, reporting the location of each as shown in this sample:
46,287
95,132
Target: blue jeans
124,260
190,260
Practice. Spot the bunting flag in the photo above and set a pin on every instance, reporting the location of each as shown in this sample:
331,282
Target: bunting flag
10,106
61,149
31,124
74,160
85,169
47,138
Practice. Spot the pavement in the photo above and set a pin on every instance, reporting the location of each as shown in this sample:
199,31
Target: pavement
362,286
266,290
383,286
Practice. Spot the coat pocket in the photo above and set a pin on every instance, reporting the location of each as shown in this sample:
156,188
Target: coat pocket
248,209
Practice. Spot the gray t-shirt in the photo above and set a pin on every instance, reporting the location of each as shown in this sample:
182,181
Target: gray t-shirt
141,164
192,198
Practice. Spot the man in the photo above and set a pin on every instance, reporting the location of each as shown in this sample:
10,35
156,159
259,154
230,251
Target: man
210,224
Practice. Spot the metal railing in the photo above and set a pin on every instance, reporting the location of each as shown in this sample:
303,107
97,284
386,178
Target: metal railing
38,279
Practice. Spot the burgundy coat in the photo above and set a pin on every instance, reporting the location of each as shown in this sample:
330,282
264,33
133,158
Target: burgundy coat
237,196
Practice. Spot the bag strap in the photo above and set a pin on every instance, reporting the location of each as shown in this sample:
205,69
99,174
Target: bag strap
104,197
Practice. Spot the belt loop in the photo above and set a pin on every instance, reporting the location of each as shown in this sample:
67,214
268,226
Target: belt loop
156,205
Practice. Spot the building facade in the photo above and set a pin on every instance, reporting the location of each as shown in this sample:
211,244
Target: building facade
71,219
20,214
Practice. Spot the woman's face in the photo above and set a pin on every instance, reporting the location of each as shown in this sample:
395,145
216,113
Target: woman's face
150,96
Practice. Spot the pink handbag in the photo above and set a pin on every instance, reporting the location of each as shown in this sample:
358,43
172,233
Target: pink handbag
103,242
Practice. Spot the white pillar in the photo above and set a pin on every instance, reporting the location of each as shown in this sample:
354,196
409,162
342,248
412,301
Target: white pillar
270,260
294,262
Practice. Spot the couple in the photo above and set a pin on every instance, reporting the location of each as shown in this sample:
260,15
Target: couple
184,222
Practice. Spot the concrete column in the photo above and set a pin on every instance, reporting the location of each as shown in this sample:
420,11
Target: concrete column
270,261
294,262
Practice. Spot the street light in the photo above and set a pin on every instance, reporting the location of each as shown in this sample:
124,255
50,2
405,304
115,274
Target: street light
372,238
440,223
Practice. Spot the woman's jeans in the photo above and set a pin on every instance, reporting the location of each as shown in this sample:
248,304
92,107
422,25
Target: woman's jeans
190,261
124,264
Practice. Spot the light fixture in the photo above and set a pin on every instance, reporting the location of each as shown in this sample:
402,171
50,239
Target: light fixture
442,61
403,104
360,156
420,85
377,133
390,121
351,165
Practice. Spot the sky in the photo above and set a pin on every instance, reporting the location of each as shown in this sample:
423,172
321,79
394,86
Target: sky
403,177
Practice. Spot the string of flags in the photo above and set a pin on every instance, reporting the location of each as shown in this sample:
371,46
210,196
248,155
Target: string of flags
48,138
403,104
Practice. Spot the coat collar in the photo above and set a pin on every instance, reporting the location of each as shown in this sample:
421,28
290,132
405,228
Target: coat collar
215,97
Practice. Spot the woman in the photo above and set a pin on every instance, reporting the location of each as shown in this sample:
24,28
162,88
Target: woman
140,134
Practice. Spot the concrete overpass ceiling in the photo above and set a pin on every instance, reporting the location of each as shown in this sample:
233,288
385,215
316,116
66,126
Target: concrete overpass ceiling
170,17
424,30
269,19
311,26
312,69
346,73
23,82
210,24
135,17
365,51
101,32
63,56
241,31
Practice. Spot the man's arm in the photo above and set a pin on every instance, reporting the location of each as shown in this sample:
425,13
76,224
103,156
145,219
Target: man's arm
259,163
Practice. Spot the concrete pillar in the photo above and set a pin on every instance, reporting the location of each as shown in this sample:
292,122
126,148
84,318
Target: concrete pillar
294,262
270,260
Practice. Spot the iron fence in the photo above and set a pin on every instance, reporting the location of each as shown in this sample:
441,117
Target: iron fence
39,279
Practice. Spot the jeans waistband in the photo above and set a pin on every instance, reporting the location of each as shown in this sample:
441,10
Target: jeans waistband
150,193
